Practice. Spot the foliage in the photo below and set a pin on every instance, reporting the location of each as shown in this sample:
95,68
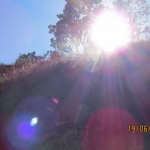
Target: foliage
72,84
146,31
71,32
137,13
27,58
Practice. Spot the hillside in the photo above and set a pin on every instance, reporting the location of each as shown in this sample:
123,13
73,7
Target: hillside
78,102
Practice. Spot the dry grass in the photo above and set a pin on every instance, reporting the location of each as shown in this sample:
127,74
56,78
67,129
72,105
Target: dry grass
67,79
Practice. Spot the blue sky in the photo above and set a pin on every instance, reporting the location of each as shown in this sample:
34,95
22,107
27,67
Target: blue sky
24,26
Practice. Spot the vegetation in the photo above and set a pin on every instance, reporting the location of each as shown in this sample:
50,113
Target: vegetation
73,87
71,32
75,83
137,13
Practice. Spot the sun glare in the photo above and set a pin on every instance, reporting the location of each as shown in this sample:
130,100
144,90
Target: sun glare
109,31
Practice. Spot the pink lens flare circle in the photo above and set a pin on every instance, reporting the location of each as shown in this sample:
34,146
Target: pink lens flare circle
108,129
55,100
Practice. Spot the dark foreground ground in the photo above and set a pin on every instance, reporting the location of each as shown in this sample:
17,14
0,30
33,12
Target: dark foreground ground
73,106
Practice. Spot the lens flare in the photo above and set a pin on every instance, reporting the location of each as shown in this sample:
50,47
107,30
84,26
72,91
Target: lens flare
33,121
25,130
108,129
21,130
55,100
34,124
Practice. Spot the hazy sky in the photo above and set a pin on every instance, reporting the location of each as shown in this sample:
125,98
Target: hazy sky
24,26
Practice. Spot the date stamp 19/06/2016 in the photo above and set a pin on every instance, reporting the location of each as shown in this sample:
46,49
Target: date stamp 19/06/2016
138,128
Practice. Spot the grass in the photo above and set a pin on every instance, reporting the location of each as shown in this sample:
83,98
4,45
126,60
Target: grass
74,85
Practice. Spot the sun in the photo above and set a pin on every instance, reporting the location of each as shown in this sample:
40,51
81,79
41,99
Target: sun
110,31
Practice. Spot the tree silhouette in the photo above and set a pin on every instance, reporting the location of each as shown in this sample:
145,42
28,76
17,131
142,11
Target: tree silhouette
71,32
137,13
25,59
147,32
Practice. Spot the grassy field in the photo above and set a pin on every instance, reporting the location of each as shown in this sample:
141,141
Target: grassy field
72,91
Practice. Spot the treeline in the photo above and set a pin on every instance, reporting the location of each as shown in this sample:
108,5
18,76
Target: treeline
25,59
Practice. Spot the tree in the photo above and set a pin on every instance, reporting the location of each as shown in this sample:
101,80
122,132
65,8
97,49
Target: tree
24,59
71,32
147,32
137,13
